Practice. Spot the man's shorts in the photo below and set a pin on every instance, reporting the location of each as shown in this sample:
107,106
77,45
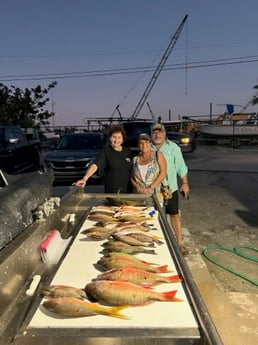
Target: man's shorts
172,206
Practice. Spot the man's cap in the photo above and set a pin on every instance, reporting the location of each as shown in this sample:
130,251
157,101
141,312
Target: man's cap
144,136
158,127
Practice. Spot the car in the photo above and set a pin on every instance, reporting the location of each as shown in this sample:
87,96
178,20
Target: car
72,156
184,140
19,151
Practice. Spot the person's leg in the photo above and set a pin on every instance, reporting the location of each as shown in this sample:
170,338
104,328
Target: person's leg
172,210
176,223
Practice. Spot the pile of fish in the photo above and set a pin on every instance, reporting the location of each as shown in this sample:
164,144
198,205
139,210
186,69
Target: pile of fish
125,280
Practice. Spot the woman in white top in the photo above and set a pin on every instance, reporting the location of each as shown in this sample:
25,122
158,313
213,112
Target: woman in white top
149,167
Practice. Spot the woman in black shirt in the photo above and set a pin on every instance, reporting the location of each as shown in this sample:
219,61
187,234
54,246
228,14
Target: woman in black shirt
115,161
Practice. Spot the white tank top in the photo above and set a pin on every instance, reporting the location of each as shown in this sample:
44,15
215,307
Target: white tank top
143,170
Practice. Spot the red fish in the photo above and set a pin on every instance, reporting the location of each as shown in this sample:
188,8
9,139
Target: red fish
137,276
119,262
125,293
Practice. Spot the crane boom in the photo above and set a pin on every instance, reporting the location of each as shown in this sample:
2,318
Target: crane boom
158,70
249,102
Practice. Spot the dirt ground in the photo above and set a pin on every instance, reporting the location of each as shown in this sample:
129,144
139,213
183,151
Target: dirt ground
223,211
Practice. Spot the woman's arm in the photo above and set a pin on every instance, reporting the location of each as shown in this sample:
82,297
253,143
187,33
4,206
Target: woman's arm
91,171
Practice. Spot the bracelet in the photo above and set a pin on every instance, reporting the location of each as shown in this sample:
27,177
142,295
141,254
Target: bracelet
185,183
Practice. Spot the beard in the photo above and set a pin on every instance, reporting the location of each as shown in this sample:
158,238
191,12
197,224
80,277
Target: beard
157,141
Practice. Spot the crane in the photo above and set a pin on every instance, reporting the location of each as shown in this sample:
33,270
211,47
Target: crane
158,70
152,115
249,102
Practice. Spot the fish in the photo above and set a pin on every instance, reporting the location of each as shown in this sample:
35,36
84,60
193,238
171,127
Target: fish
120,225
107,224
137,276
131,240
103,210
62,291
118,246
128,257
94,228
74,307
132,208
97,217
118,293
108,263
130,216
99,235
141,235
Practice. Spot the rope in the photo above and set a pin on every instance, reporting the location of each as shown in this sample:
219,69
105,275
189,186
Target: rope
237,250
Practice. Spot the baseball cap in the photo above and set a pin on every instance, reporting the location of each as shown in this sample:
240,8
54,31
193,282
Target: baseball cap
158,127
144,136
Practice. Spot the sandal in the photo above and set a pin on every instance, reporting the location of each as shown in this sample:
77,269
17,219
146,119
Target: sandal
184,250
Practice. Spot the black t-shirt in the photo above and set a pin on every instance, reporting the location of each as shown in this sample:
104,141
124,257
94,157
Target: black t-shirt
116,166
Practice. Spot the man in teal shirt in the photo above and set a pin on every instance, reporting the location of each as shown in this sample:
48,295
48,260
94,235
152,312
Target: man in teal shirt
176,167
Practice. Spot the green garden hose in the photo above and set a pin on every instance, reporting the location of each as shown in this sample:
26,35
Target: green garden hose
237,250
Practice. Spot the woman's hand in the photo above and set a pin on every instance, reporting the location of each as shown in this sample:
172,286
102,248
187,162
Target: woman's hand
145,190
80,183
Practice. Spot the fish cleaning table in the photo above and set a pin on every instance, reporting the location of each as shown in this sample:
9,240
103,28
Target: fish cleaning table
156,323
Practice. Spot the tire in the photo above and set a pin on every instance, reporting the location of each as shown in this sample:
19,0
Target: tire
235,143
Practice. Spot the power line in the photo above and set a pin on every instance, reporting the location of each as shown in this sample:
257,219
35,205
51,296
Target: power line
130,70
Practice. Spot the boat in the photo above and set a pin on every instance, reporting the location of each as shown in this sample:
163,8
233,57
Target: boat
236,127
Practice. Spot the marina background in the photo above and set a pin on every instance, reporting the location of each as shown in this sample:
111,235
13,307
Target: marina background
103,53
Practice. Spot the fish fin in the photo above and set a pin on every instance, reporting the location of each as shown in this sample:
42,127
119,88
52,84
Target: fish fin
175,279
163,268
170,296
115,312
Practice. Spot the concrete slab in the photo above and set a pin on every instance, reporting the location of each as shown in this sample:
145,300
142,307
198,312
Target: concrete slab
234,314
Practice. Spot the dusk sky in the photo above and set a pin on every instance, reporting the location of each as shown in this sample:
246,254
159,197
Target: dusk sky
98,52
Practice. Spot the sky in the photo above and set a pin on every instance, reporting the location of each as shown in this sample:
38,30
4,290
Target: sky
103,53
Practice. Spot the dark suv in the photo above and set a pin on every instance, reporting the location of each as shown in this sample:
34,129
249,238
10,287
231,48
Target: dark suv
73,154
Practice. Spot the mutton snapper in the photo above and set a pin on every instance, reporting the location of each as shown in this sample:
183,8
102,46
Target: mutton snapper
137,276
125,293
74,307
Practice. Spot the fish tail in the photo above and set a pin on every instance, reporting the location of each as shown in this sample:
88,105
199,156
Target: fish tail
174,279
163,268
149,245
149,251
170,296
115,312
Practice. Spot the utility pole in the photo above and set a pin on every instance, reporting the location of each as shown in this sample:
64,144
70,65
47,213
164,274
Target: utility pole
53,107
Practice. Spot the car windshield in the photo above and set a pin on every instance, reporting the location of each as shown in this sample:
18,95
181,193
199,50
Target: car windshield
79,142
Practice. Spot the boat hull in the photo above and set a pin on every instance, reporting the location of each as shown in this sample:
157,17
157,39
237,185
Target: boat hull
214,130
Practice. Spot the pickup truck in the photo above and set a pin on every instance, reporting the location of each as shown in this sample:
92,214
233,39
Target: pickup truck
25,181
19,151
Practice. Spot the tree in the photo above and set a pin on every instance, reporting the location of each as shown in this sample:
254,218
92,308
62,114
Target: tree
25,108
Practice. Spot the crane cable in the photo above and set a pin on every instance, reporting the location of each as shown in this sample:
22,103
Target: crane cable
237,250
